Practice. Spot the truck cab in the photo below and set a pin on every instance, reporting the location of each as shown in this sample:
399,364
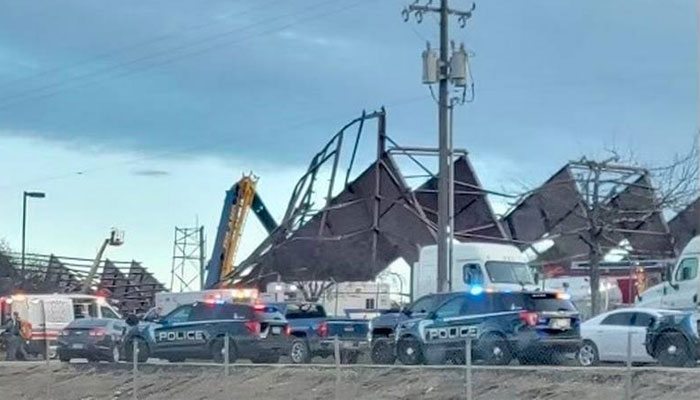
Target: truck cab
681,289
475,266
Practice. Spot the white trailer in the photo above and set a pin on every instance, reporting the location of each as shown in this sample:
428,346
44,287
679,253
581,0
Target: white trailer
475,266
358,300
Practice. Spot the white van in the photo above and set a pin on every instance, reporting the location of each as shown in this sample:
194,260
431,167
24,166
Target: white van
475,266
681,290
50,313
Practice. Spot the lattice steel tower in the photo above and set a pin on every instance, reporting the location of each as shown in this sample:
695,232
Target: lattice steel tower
188,259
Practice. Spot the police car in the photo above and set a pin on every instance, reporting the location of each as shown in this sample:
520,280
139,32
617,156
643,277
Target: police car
533,327
199,330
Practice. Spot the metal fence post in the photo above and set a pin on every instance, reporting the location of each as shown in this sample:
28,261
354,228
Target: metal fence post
135,356
468,363
49,375
628,370
336,348
226,353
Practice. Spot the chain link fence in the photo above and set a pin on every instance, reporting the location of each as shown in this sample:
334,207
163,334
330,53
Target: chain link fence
486,367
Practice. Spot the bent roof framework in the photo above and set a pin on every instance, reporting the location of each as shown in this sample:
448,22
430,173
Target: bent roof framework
556,210
374,220
685,225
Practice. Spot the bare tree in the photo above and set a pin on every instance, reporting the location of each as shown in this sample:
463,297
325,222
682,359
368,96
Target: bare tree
602,205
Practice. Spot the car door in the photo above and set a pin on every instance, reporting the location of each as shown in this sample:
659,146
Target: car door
611,336
170,333
683,291
440,333
642,321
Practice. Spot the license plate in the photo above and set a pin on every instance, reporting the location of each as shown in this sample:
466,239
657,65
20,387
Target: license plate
561,323
349,329
276,330
78,345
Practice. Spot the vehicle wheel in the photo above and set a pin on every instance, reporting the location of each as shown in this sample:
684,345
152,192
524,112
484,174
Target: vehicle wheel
144,351
382,352
300,352
494,350
673,351
409,351
587,355
115,354
271,358
218,348
349,357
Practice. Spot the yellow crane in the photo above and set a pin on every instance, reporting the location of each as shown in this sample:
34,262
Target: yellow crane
240,199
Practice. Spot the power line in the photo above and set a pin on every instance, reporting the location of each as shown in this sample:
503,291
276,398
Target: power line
23,97
300,124
111,53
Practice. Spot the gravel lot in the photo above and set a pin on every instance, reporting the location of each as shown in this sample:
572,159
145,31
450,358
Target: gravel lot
103,381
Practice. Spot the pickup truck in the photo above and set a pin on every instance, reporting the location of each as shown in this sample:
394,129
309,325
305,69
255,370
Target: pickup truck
313,333
383,327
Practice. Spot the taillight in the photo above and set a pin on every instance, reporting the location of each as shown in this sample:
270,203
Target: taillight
530,318
323,329
97,332
288,330
253,327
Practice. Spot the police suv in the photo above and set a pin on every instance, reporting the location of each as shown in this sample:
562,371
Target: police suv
533,327
199,330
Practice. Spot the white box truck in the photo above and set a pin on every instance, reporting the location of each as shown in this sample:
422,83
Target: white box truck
475,266
681,290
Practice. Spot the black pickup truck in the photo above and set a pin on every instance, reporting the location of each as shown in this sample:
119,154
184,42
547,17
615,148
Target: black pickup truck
314,333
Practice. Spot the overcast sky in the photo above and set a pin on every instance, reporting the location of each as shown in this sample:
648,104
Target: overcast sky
140,114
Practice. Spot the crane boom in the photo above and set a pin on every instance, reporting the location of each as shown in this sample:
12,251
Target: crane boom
240,199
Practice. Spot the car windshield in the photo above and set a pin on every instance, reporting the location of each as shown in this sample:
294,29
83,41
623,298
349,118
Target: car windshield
509,272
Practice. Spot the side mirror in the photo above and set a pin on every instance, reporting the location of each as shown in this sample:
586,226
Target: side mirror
406,311
431,315
536,277
132,320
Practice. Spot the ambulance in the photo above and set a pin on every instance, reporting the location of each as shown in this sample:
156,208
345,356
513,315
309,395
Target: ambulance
50,313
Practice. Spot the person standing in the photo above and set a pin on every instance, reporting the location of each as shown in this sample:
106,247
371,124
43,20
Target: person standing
13,336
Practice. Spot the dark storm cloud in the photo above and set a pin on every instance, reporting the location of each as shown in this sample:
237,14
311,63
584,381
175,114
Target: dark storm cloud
234,79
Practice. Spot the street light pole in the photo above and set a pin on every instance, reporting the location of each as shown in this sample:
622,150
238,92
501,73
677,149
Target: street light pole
38,195
24,229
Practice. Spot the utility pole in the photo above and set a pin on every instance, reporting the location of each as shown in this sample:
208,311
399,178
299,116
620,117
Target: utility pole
443,70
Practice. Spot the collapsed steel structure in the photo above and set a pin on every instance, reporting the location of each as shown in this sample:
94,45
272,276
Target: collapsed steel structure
127,283
367,222
628,215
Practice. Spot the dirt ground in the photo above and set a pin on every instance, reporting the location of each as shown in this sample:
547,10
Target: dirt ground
156,382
